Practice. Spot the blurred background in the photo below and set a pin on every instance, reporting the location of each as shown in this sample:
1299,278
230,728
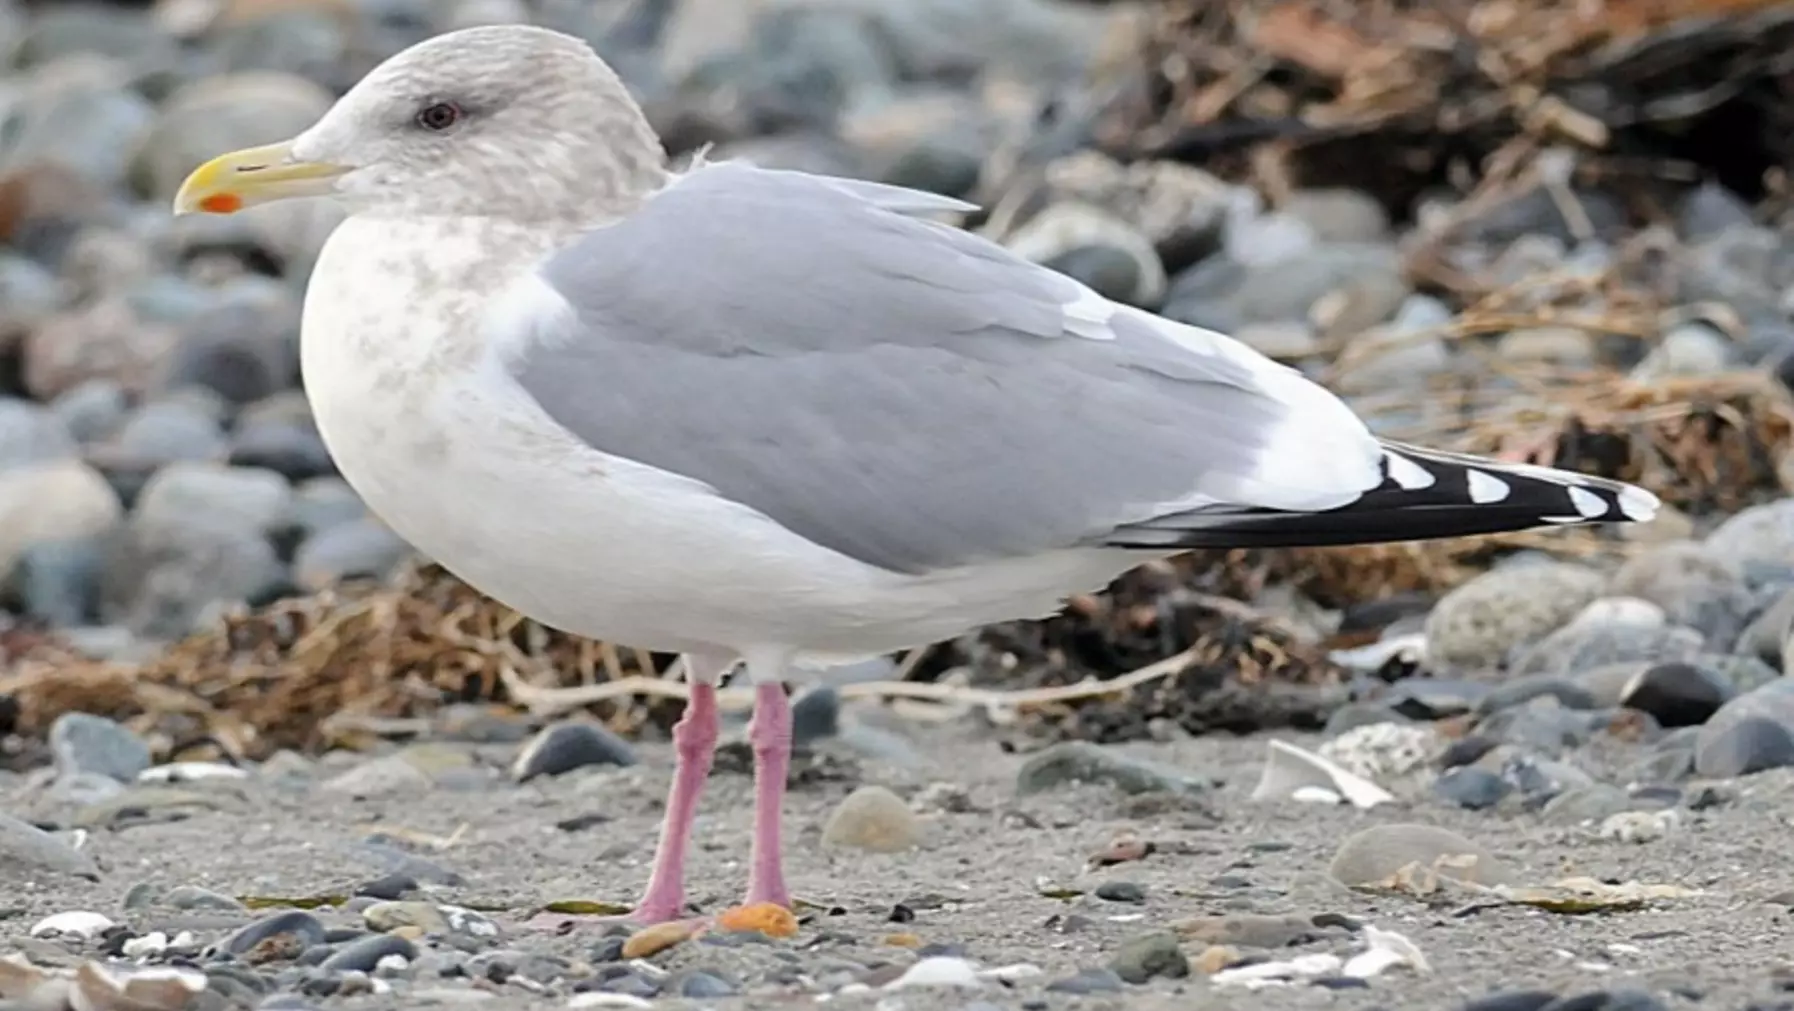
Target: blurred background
1547,230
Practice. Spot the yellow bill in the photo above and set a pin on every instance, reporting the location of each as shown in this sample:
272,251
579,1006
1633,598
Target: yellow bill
255,175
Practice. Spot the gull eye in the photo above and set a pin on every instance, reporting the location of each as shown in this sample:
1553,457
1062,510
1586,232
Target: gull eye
439,116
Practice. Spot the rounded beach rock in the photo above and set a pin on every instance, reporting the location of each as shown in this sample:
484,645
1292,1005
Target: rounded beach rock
1474,626
1372,856
873,819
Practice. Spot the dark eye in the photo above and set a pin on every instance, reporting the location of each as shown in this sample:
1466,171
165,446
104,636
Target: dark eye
439,116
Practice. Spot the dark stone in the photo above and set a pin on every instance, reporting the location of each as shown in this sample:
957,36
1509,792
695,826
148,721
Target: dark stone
1120,891
1512,1000
1678,694
366,953
301,927
392,886
572,745
815,715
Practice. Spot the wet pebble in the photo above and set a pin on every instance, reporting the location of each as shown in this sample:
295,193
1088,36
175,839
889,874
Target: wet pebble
564,747
873,819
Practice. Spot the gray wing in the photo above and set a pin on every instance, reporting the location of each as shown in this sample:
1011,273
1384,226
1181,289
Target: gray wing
901,391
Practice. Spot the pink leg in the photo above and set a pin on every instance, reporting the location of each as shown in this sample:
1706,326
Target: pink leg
771,736
694,737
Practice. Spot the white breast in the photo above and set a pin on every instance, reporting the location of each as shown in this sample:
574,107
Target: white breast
449,452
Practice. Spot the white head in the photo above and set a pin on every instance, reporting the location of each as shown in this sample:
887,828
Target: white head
505,119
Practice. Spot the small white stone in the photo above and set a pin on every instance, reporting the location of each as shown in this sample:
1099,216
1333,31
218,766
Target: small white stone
187,772
77,922
153,943
595,999
941,970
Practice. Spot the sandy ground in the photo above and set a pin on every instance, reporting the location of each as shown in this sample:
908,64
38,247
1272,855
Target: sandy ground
984,863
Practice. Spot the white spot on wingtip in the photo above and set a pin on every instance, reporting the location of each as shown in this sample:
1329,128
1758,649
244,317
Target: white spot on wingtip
1638,505
1588,503
1407,474
1485,487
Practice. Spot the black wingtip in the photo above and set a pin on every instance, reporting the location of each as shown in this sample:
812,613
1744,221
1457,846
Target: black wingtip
1425,494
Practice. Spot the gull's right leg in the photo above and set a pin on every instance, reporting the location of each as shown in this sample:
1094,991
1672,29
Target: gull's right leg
694,740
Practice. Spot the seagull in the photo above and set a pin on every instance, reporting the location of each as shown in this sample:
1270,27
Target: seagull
775,419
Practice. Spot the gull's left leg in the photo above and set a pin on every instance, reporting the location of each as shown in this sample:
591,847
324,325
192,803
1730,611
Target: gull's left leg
771,739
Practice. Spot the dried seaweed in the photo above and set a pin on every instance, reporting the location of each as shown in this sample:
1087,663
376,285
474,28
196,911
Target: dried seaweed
1389,95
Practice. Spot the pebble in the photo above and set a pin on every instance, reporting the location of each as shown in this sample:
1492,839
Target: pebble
82,743
1147,956
1749,744
26,850
1088,981
1677,694
1471,788
366,954
705,986
1694,586
1072,762
416,768
873,819
458,925
75,923
361,548
52,503
283,935
1120,891
193,897
815,715
1473,627
939,970
652,940
1375,854
564,747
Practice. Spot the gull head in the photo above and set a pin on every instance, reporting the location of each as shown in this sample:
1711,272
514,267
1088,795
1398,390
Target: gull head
506,120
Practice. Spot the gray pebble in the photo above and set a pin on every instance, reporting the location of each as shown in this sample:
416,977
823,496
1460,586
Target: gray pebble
365,954
1746,745
815,715
28,850
164,432
362,547
302,928
58,582
1088,981
1472,788
193,897
1082,762
390,888
293,450
564,747
703,985
32,434
1148,955
1120,891
93,744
